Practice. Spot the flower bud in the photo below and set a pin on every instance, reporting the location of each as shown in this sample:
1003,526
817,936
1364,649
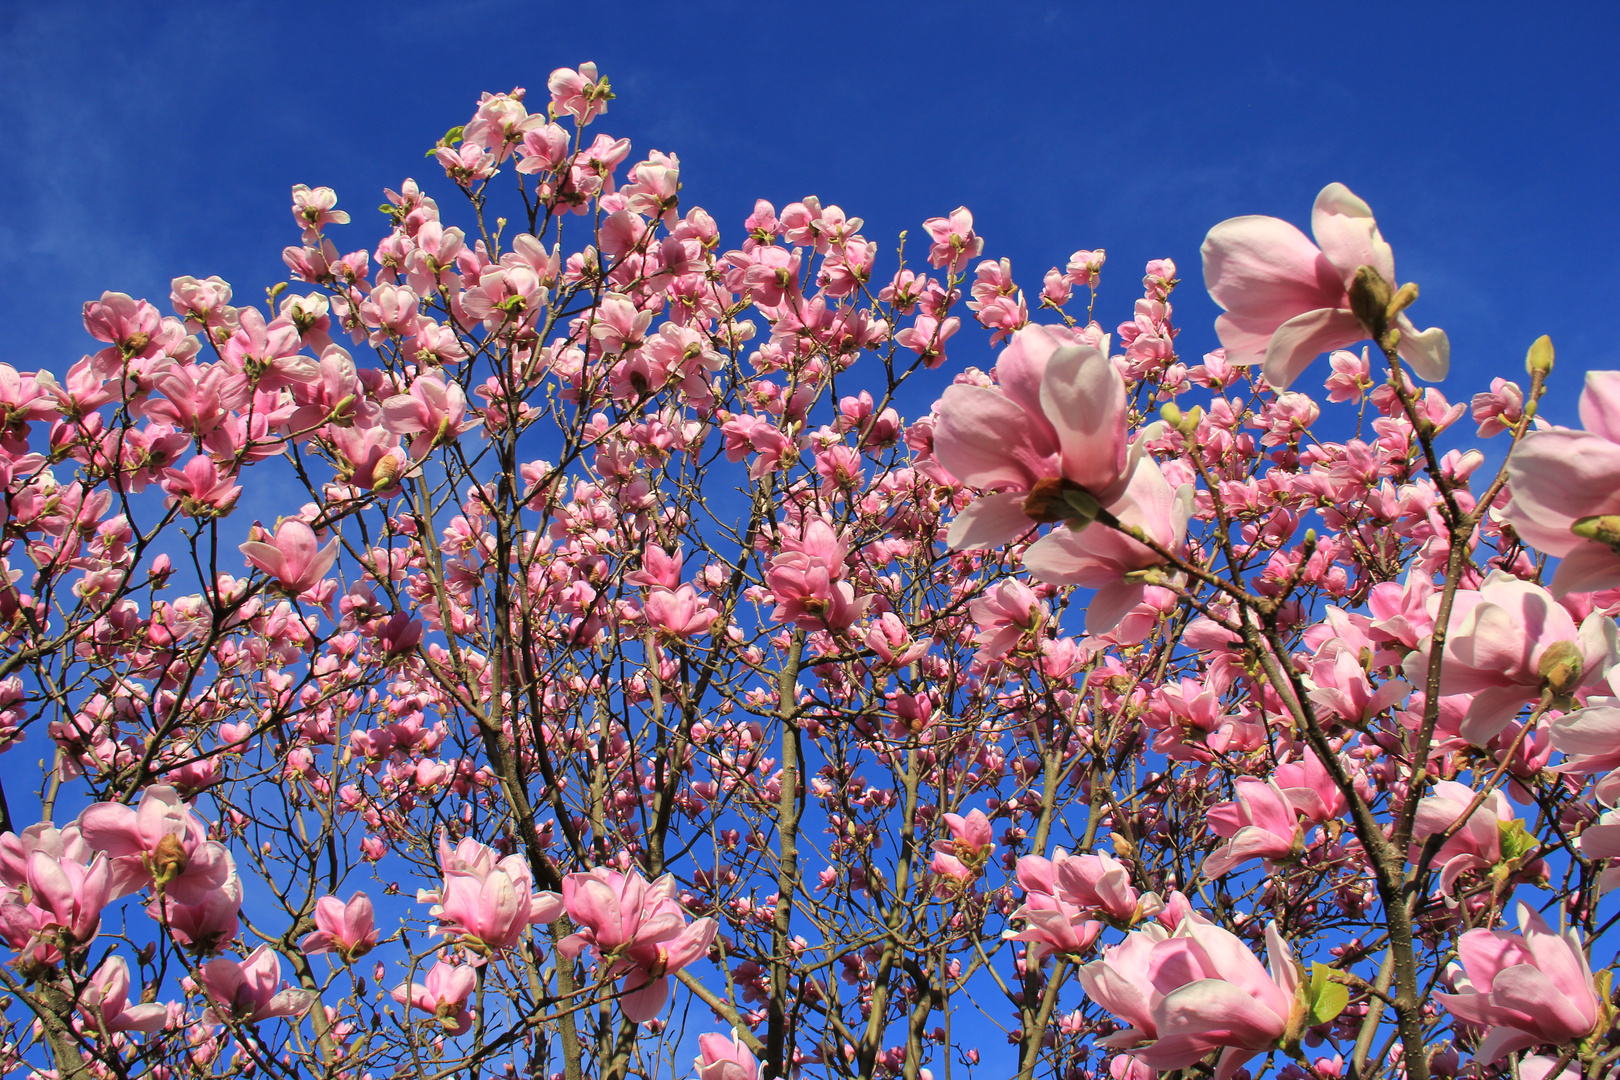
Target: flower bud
1540,357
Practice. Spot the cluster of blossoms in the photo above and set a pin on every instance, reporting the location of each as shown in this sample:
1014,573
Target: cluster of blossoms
1168,717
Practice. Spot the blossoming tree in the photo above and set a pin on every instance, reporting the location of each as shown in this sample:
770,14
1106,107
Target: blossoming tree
657,657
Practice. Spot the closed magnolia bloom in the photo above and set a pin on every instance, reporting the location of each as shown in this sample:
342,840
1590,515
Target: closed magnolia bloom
1187,994
1524,989
721,1058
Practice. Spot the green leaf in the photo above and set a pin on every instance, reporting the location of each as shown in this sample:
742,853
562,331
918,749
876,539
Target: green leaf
1327,998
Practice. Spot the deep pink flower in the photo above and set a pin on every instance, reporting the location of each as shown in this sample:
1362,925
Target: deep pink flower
444,994
1477,845
1287,301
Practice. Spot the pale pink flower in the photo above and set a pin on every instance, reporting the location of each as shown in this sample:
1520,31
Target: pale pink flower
1106,559
1523,989
1260,823
1287,301
292,557
160,842
491,909
252,990
955,244
348,929
1565,489
1052,430
641,926
1509,642
580,94
1477,845
444,994
1198,990
434,411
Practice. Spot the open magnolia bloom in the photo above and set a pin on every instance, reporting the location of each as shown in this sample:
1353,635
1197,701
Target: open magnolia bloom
1566,491
1049,441
1287,300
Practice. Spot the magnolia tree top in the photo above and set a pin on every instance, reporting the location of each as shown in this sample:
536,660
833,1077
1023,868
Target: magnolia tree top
657,648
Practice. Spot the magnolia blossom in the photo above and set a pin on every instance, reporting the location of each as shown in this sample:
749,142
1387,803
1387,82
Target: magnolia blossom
1589,738
105,1006
158,843
444,993
1186,994
640,927
1524,989
1259,824
1566,491
721,1058
1477,843
1109,561
348,929
1287,301
1051,432
1509,642
292,556
252,989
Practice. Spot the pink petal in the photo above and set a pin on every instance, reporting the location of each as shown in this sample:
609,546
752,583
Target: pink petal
986,441
1345,229
1305,337
1427,351
990,521
1600,404
1083,397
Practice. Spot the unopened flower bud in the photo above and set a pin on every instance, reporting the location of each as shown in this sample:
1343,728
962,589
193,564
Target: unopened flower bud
1561,667
1540,357
169,861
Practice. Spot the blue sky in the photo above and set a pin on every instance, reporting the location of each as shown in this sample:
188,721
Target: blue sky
149,140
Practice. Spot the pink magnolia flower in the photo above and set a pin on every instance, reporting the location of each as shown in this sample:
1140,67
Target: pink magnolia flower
1052,925
491,909
1509,642
252,990
1310,789
435,411
1287,301
955,244
1186,994
1523,989
158,843
17,848
1259,824
104,1002
444,993
580,94
635,927
1589,739
1565,489
292,557
208,925
1106,559
721,1058
1093,882
65,894
677,613
1003,615
348,929
1052,431
960,860
1477,845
